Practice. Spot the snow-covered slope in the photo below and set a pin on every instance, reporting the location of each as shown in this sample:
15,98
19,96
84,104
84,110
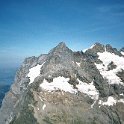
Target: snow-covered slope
122,53
111,75
34,72
59,83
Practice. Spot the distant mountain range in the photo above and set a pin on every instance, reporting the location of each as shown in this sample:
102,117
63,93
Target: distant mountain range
67,87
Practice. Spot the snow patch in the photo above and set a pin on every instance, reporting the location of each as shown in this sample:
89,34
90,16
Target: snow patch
34,72
121,94
107,58
44,106
59,83
78,63
110,101
89,48
122,53
49,76
40,99
88,89
85,50
92,46
121,100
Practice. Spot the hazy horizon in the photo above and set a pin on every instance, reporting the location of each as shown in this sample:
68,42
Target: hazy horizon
31,28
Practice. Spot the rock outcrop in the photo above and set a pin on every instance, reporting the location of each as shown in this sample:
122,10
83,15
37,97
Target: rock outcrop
66,87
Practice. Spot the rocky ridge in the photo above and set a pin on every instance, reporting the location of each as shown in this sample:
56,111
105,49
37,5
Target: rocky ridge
66,87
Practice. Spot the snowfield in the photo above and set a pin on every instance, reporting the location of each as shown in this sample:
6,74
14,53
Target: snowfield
110,75
110,101
88,89
61,83
34,72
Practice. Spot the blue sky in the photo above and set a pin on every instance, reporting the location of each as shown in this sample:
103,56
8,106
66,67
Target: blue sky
33,27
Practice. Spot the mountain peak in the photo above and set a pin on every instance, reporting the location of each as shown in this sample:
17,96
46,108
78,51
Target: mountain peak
62,44
98,44
60,48
46,88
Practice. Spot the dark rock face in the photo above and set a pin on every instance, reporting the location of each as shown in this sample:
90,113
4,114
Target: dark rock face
121,75
112,50
92,53
29,103
111,66
122,49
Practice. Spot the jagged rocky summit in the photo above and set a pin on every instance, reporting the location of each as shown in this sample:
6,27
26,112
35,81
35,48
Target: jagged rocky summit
66,87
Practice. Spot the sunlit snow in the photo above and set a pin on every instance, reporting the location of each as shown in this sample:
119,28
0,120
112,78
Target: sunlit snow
59,83
121,94
88,89
92,46
88,48
122,53
44,106
34,72
85,50
121,100
107,58
78,63
110,101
